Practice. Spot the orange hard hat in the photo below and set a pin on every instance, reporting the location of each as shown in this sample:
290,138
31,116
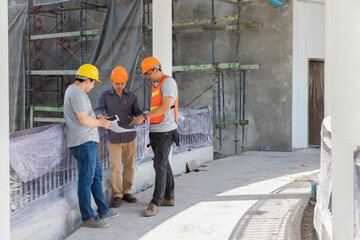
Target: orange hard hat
119,75
149,63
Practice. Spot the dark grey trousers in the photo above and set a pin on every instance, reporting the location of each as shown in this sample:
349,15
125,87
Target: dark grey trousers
161,143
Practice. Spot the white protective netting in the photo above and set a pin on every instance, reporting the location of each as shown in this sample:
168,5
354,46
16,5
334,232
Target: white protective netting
323,208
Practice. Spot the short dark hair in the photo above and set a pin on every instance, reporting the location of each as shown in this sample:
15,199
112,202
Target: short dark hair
158,67
82,79
79,79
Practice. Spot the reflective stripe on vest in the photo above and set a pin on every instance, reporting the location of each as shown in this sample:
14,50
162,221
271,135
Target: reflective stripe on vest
156,101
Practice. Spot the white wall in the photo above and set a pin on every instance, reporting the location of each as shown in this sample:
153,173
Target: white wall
344,55
4,129
308,42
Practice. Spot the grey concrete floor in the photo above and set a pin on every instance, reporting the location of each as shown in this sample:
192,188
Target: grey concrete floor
255,195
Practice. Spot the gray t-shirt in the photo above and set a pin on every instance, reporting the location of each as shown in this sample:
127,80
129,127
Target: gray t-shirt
168,89
76,134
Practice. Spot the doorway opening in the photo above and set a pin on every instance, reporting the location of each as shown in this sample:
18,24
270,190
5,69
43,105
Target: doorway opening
315,100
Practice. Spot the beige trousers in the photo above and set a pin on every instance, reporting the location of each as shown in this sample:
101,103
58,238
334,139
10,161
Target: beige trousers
122,184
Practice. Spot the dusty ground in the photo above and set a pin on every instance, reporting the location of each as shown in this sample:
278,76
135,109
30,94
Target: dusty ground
307,229
249,196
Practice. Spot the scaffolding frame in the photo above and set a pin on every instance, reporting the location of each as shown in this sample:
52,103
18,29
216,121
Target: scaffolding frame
217,69
62,37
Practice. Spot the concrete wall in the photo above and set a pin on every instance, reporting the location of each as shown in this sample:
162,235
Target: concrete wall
308,42
56,219
268,90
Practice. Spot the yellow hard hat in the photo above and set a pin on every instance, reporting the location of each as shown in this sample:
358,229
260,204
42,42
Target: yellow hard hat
88,71
119,75
149,63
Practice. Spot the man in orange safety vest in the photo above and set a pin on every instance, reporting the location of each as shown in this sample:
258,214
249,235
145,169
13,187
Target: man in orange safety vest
163,119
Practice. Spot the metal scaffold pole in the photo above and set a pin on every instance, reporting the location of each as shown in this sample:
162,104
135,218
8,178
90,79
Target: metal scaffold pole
81,32
219,113
243,111
237,90
223,95
236,140
27,120
213,63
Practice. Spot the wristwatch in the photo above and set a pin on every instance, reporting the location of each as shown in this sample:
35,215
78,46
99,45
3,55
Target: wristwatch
144,115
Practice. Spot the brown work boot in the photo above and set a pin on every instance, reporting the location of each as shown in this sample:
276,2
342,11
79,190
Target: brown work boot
169,203
129,198
152,210
116,202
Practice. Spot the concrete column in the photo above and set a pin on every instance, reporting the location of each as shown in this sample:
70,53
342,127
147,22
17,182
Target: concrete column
162,34
4,126
327,90
344,66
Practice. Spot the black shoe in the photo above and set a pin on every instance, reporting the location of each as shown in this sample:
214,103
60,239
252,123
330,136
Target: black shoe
129,198
116,202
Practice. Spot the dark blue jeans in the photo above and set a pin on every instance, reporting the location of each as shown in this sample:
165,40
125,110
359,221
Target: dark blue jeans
164,180
90,180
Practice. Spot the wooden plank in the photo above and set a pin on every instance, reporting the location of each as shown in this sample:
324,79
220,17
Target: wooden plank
52,72
200,21
222,28
209,67
48,109
54,10
43,119
64,34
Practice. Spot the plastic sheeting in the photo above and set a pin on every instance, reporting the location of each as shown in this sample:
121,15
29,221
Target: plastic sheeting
42,168
17,20
32,155
357,195
31,159
119,43
194,127
323,206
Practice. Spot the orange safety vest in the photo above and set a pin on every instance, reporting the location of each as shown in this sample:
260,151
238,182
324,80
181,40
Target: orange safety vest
156,101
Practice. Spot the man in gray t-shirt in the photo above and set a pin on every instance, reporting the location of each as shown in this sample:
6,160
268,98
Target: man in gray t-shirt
82,135
163,132
77,133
